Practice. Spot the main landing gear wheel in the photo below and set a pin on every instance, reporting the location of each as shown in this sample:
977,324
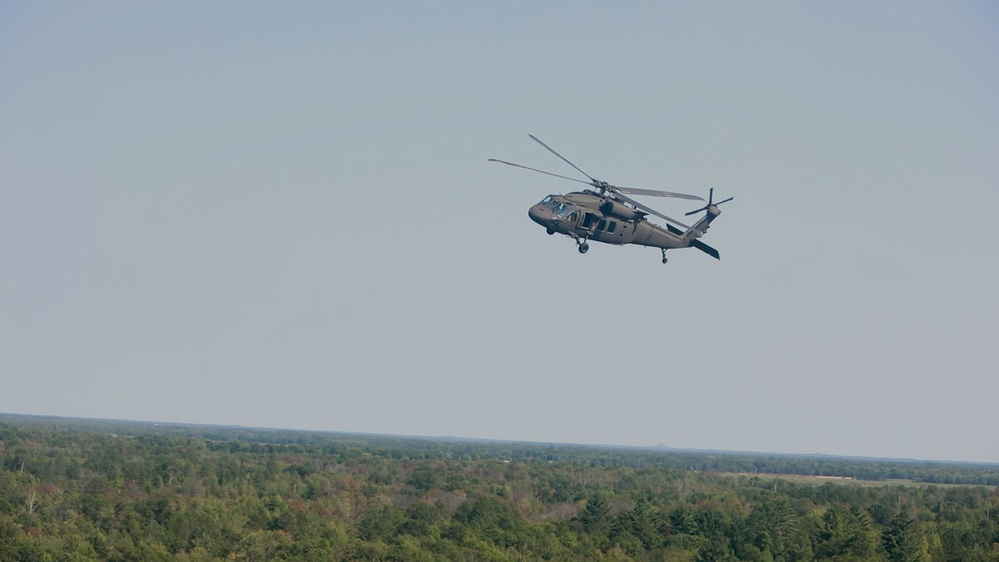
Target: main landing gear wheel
664,256
583,248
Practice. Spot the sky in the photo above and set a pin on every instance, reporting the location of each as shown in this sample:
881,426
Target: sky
282,215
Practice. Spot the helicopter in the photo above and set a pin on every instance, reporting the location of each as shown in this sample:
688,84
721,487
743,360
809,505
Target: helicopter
606,214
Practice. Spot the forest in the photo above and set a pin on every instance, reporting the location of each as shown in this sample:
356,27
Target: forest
82,490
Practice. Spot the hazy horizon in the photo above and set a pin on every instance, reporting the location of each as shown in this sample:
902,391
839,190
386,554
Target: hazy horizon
658,446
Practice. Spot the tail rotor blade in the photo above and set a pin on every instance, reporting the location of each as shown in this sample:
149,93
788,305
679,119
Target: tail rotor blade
711,196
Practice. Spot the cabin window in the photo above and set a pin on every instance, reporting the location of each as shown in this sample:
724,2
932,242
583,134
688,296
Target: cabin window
587,220
611,226
602,224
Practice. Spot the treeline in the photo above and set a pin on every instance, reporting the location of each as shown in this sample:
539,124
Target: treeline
144,492
257,440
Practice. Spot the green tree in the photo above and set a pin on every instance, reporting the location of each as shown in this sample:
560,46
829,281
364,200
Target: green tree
773,523
902,540
846,535
380,522
717,549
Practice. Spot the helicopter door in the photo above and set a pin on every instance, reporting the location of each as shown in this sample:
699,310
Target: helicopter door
588,221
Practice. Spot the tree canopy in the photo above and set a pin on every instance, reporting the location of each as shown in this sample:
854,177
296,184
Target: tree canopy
93,490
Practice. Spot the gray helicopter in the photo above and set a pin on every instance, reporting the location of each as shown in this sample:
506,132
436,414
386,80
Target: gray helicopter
605,214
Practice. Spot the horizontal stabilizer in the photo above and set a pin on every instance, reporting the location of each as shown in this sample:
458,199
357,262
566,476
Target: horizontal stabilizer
696,243
705,248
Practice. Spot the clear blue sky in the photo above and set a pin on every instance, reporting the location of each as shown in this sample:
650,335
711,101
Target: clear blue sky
282,215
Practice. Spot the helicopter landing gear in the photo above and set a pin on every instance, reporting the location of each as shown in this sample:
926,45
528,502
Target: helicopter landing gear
583,247
664,255
550,231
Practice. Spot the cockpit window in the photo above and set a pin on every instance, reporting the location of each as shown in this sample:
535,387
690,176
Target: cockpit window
558,206
562,209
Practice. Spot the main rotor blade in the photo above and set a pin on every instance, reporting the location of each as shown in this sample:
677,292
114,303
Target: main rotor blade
538,171
592,179
653,193
650,210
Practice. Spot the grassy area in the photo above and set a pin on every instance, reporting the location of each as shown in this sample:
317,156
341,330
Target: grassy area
819,480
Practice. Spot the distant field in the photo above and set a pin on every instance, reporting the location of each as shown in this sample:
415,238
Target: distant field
816,480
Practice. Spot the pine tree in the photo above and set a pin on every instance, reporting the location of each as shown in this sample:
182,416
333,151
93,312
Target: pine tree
902,540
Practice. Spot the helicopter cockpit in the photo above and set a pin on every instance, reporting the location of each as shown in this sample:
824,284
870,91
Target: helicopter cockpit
553,210
558,206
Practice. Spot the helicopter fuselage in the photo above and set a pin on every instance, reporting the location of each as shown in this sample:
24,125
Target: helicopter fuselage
586,215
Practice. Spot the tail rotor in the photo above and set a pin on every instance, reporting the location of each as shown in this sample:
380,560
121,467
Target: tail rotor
708,207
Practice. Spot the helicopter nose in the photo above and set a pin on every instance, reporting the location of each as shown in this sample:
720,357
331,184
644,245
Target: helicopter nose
537,215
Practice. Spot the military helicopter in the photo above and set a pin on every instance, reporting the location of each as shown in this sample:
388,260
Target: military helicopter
605,214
